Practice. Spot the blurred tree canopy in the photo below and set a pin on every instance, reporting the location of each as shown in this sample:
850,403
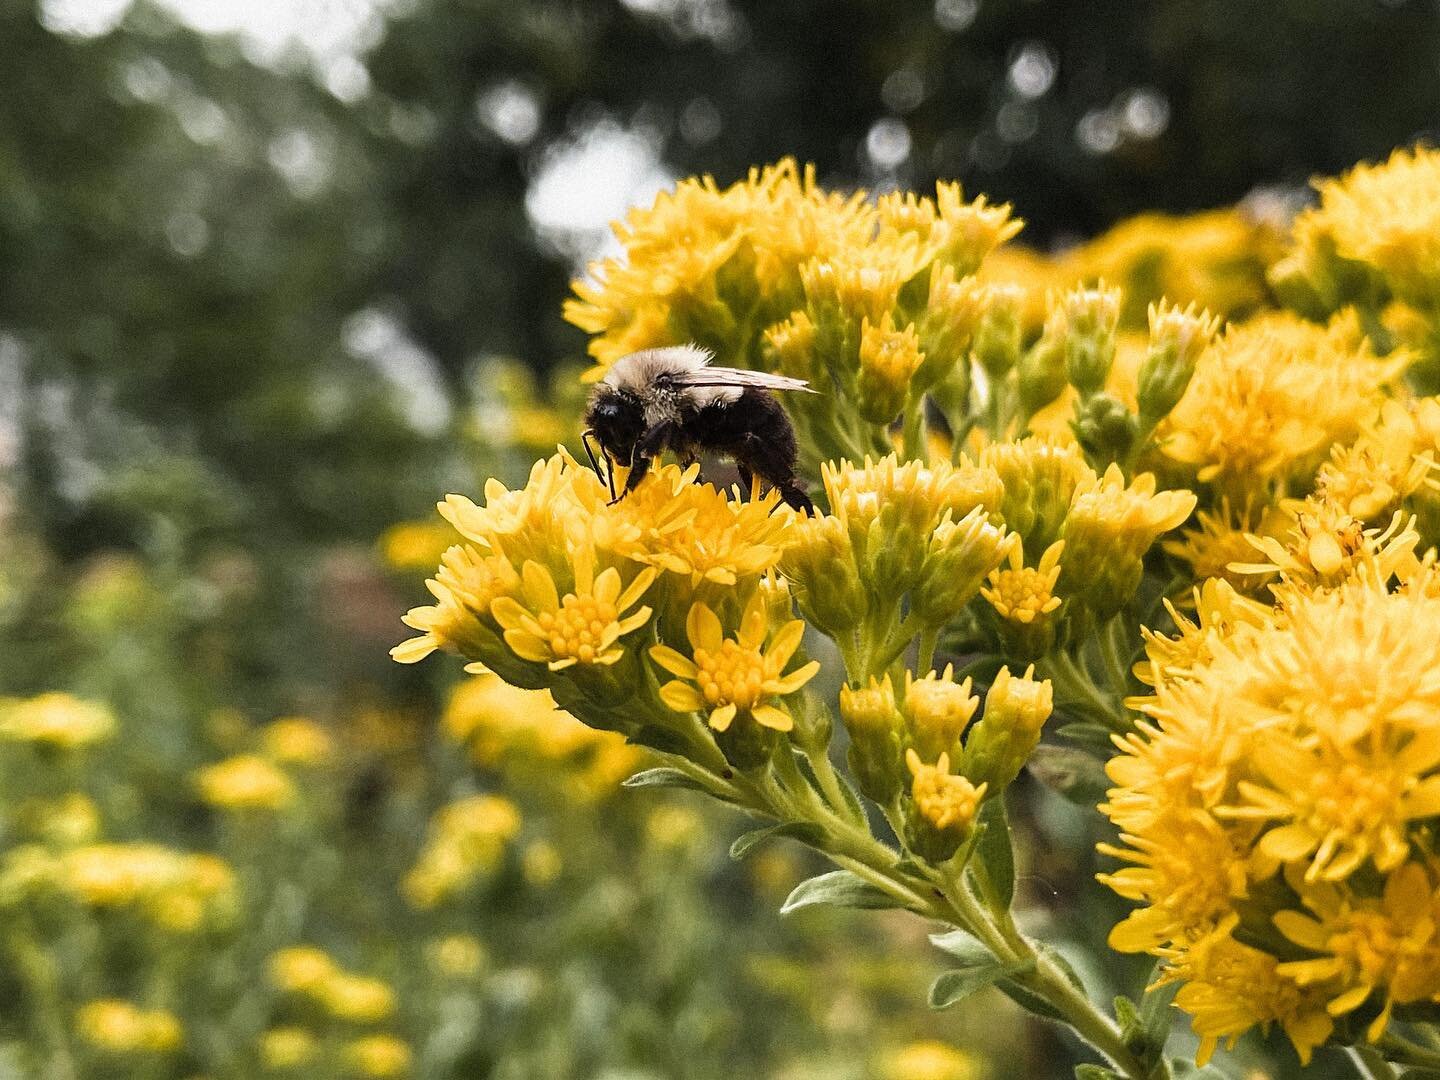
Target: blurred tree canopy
250,305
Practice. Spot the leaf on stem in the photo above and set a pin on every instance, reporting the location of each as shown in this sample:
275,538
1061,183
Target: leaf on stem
993,864
839,888
804,831
664,776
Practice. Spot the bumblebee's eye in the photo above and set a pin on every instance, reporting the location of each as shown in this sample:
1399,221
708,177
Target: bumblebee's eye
608,410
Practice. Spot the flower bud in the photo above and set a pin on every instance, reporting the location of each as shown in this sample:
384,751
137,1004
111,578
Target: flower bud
1001,740
938,709
889,359
791,344
1091,317
1105,427
948,325
1177,338
820,564
966,232
942,808
997,337
874,725
961,553
1041,375
1039,478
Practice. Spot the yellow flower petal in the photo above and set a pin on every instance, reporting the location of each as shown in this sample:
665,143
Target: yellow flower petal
538,587
1289,843
415,649
508,612
784,643
771,717
607,586
636,588
527,646
720,718
752,623
682,697
673,661
703,628
797,678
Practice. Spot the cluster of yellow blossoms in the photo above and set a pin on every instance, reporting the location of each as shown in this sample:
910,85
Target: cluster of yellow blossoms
1001,443
311,976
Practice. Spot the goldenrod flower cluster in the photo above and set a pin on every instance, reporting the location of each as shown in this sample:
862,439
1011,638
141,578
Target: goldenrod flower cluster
123,1028
468,838
310,973
56,721
1274,802
1001,454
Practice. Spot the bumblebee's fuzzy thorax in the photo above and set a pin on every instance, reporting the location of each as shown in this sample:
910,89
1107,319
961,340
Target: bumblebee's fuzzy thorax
655,377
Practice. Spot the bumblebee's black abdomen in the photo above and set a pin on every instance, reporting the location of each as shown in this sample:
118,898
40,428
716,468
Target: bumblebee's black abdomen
753,430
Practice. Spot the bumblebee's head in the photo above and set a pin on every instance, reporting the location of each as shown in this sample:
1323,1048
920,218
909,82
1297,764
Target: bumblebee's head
617,417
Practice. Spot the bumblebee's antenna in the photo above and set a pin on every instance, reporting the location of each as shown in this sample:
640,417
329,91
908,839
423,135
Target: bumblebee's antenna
608,475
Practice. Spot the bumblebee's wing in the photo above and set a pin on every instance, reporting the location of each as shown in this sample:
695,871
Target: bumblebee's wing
724,376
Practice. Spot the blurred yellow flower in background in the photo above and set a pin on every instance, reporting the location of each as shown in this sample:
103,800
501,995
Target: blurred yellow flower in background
56,720
245,782
120,1027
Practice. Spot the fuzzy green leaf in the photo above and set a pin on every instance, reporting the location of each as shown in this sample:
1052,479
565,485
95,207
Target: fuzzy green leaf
664,776
994,859
803,831
840,888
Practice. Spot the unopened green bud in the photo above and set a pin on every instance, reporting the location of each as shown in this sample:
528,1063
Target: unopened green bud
948,326
997,337
875,728
1091,317
961,554
1002,739
1177,338
1105,427
942,808
1042,367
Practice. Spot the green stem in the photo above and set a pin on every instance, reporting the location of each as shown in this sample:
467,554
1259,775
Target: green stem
929,639
1370,1063
1401,1051
913,429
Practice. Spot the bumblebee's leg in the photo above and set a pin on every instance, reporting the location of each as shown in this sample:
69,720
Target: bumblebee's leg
649,446
770,451
747,480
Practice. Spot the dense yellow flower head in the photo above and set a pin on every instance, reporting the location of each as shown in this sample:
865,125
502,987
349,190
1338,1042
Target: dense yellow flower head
889,359
1022,594
870,708
1271,397
245,782
727,677
56,720
938,710
929,1060
383,1056
177,891
1388,217
947,802
582,627
1288,754
467,839
297,740
120,1027
301,969
359,999
288,1048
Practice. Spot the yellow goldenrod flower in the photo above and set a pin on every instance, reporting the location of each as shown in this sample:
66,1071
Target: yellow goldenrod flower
120,1027
998,745
874,725
1107,531
689,529
1024,599
1229,988
415,545
456,956
1220,609
68,821
938,710
792,345
889,359
820,563
1387,943
56,720
383,1056
297,740
730,677
541,864
288,1048
467,583
301,969
1092,317
959,557
1293,748
1386,216
1221,539
495,720
1177,338
943,806
582,628
949,323
467,840
1270,398
964,233
1327,547
1038,478
245,782
998,330
930,1060
175,889
358,999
